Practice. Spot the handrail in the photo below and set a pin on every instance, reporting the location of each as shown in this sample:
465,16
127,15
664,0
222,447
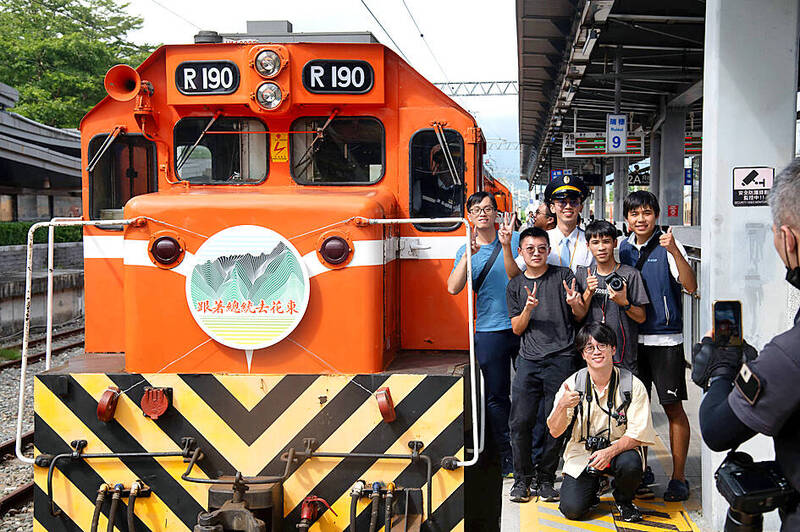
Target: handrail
477,436
26,330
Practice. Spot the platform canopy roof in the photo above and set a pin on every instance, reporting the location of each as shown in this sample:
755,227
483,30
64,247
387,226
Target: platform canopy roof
567,51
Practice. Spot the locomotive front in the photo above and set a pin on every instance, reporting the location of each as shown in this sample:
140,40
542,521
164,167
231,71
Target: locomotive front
269,341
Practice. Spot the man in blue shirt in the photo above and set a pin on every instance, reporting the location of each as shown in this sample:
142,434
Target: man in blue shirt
493,264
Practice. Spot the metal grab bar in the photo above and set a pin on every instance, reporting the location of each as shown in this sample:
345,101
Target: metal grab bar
477,436
26,330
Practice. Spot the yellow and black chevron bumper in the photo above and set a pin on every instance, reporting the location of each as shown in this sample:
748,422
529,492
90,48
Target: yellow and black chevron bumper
245,423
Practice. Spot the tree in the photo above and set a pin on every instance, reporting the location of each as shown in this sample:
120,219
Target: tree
56,52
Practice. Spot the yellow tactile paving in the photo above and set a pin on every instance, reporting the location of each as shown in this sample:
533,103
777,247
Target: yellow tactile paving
658,516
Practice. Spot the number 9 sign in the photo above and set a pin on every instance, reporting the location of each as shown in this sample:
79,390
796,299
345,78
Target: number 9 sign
616,133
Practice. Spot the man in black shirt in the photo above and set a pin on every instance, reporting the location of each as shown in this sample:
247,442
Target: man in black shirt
542,304
761,395
622,310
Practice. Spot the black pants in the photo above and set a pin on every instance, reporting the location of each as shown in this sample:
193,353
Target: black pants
577,494
494,351
536,382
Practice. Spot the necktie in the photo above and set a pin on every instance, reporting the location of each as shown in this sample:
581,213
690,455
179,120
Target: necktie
564,258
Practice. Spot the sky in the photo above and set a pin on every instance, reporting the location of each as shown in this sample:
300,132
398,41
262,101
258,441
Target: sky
472,40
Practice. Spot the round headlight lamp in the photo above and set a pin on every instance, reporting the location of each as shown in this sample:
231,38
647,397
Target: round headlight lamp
268,63
268,95
166,250
335,250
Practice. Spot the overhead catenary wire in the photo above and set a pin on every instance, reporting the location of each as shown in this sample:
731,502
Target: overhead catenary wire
384,30
428,46
189,22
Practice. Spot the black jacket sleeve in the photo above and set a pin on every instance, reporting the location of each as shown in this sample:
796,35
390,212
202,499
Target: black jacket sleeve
720,427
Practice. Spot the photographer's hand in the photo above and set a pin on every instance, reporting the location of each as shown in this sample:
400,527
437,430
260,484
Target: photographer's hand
620,298
711,360
601,459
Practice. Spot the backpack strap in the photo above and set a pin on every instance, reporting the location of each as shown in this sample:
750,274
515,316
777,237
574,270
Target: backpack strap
626,390
645,252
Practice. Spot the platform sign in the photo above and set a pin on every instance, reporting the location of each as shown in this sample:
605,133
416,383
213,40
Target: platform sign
558,172
687,176
616,133
751,185
594,145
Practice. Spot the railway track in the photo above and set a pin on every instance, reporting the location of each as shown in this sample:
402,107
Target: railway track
24,493
36,350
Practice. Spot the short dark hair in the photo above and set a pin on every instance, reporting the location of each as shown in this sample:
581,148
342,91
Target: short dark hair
602,334
639,199
599,229
479,197
534,232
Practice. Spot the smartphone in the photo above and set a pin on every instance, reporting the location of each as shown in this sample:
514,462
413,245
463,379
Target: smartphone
728,322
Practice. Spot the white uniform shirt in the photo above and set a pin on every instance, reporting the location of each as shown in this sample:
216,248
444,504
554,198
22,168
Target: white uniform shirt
639,425
579,254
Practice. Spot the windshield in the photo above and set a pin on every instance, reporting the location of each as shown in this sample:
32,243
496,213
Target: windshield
230,151
349,151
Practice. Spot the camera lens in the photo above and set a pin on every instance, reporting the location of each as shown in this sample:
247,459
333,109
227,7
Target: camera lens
615,282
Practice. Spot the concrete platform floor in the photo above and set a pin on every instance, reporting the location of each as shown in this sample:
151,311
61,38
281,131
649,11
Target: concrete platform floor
659,515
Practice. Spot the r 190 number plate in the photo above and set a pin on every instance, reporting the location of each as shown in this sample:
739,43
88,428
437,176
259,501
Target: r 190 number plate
207,77
325,76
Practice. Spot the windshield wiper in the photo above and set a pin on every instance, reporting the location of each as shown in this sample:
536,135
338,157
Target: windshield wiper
320,131
188,153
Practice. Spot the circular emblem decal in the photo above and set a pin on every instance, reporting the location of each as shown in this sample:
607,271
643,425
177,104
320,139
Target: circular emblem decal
249,287
566,179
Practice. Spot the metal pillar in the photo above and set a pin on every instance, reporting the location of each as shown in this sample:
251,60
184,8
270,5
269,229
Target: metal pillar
600,194
749,113
655,162
670,189
620,163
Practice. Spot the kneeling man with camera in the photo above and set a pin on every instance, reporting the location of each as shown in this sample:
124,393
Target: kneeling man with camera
606,414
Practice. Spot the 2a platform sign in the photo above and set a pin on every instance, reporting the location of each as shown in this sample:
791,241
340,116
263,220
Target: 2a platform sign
751,185
593,144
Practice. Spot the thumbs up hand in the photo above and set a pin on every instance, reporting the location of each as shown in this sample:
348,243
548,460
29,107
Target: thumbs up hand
570,399
667,241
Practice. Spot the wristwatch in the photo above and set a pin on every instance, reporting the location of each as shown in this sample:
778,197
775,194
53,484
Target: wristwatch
627,307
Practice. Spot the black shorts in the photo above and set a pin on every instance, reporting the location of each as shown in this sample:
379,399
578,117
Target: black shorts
665,367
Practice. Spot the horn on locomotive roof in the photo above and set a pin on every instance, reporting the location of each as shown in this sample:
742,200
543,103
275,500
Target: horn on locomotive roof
122,83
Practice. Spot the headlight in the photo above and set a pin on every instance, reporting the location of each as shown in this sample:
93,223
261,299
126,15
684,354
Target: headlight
166,250
335,250
268,63
269,95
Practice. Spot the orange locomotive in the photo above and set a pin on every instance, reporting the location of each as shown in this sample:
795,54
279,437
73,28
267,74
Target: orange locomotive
254,296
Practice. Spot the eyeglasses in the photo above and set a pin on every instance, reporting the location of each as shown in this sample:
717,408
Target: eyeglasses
530,250
574,202
475,211
590,349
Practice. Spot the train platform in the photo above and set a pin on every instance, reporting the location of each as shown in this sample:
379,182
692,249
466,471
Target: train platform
658,514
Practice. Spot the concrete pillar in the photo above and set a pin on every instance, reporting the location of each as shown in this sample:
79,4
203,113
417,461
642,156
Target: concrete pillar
655,162
600,194
749,113
670,186
620,185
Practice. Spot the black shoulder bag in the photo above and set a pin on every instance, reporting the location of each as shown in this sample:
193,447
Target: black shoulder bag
486,267
645,252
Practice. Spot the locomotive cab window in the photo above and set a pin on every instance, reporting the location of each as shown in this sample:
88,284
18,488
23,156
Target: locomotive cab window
220,151
437,177
125,168
342,151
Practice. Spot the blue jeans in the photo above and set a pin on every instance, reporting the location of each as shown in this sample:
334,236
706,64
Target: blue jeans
495,350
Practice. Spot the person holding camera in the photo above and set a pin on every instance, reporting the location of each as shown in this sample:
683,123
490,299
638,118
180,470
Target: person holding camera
605,412
748,395
613,293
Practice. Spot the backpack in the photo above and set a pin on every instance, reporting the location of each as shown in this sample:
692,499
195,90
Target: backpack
625,386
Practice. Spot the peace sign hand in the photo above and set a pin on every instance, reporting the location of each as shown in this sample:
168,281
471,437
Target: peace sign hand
573,296
506,229
532,302
473,243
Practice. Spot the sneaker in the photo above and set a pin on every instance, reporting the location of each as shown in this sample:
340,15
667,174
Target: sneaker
519,491
648,477
677,490
547,492
628,512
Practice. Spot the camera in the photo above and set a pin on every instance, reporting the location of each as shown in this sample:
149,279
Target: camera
592,444
614,281
751,488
